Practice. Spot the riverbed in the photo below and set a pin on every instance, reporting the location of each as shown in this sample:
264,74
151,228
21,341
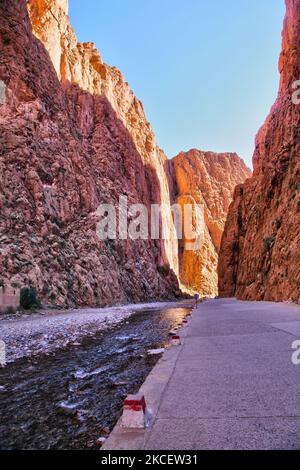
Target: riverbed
69,399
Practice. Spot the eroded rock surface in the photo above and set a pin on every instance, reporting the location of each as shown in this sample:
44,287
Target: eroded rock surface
260,256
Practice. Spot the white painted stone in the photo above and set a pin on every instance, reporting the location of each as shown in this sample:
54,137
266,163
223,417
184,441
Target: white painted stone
134,412
155,352
175,341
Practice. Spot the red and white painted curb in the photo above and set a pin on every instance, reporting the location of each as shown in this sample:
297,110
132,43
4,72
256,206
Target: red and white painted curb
175,341
135,413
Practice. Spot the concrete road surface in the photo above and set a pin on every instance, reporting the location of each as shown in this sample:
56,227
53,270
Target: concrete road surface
231,385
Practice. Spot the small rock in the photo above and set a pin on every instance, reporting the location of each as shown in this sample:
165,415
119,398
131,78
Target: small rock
119,384
173,332
67,409
155,352
82,415
100,441
105,430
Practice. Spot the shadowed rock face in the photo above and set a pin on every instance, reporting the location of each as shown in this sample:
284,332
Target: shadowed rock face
208,179
260,256
67,146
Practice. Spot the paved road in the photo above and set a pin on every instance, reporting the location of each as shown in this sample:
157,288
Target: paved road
231,385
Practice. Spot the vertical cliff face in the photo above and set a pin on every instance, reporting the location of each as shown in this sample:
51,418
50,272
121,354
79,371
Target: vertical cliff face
259,256
73,136
81,64
208,179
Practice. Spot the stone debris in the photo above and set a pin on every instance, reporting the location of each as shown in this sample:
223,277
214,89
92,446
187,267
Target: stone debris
67,408
101,441
155,352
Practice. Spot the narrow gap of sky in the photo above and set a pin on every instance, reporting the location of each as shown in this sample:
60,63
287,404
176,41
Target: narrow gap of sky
205,71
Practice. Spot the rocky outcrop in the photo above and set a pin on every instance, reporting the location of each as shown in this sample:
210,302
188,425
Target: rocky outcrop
73,136
259,257
207,179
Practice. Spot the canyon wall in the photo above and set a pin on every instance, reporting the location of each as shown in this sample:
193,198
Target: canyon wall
73,136
81,64
260,258
207,179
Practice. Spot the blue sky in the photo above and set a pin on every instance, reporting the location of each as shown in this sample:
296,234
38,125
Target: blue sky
206,71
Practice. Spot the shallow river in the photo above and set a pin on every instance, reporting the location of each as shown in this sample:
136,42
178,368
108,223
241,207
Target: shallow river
94,377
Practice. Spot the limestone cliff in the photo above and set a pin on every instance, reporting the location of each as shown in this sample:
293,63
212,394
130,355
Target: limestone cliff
73,136
208,179
259,256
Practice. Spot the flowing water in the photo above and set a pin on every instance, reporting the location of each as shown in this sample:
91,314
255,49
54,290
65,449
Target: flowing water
94,378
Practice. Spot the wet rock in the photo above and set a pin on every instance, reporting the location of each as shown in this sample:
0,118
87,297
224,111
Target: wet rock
67,408
100,441
105,431
119,384
155,352
82,416
173,332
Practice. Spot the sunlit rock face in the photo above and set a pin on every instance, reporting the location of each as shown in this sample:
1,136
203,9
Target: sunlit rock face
208,179
51,25
74,136
260,255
